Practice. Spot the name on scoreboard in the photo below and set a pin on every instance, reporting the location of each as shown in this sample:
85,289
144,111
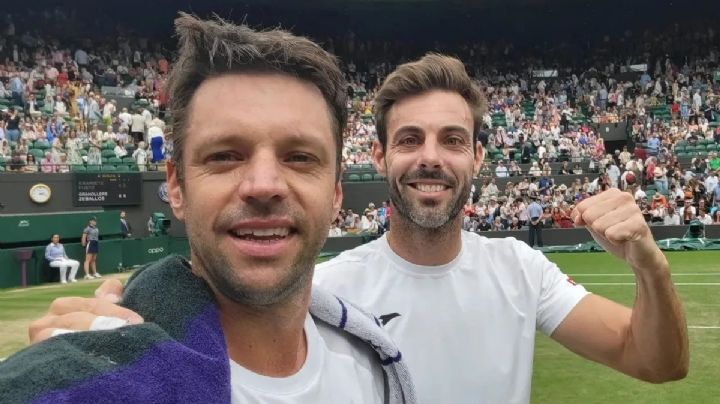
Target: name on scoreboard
107,189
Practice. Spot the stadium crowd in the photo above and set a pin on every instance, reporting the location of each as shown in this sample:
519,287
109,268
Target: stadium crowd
60,114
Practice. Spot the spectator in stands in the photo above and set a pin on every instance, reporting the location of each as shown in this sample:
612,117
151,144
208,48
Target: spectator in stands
156,138
73,145
47,164
12,125
57,258
137,127
94,156
671,216
704,218
501,171
687,212
119,149
140,155
5,150
31,166
334,231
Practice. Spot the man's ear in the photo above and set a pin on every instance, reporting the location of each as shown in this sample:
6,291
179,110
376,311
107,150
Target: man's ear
479,158
378,157
175,192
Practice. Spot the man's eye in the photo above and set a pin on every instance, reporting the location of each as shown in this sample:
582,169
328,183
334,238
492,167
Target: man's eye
300,158
409,141
223,157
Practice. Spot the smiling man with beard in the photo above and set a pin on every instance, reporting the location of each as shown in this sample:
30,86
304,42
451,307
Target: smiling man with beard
465,308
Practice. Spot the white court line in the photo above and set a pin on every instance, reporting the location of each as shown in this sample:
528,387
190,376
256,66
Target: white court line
633,283
705,327
687,274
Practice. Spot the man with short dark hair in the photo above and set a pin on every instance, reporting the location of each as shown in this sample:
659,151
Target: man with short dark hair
242,323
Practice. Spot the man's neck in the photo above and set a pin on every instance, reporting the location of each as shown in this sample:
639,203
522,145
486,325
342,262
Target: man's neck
429,247
269,341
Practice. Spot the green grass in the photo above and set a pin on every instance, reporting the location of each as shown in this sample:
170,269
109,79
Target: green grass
19,307
562,377
559,375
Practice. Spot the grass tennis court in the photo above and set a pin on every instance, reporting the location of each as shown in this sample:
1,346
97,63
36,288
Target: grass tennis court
559,376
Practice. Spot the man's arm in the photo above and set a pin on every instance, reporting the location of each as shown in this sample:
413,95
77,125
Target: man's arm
83,240
649,341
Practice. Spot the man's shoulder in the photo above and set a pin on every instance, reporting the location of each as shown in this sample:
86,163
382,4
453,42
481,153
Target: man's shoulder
355,258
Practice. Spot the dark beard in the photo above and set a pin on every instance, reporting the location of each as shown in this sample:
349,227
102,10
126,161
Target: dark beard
437,218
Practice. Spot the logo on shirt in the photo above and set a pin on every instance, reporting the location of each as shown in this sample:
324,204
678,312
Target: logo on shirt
385,318
571,281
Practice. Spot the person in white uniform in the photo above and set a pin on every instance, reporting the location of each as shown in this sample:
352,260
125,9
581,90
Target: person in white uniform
463,308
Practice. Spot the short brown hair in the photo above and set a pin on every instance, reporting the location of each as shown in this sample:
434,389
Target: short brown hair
210,48
432,72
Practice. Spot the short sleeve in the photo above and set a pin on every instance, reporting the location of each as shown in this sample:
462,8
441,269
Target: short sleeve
558,296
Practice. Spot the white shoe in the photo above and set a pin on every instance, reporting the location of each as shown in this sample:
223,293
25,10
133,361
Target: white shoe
73,280
97,275
63,281
88,277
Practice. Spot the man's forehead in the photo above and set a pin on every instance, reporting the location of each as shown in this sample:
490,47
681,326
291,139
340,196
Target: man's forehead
434,110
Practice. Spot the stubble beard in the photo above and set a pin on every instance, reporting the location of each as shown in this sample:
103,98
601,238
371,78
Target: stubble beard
429,216
216,267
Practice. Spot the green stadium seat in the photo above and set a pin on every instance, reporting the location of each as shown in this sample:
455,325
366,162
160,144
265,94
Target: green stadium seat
107,153
679,148
122,168
109,167
93,167
41,144
109,145
367,177
114,161
83,152
378,177
75,168
103,160
128,160
354,178
38,153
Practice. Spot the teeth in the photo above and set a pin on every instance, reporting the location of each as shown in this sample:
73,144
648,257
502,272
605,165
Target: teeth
278,231
430,187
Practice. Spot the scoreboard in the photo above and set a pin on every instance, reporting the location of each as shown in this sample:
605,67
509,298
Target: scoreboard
107,189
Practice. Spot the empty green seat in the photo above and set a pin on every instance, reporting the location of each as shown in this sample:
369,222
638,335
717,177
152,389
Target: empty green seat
37,153
107,153
77,168
42,144
109,167
353,178
367,177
